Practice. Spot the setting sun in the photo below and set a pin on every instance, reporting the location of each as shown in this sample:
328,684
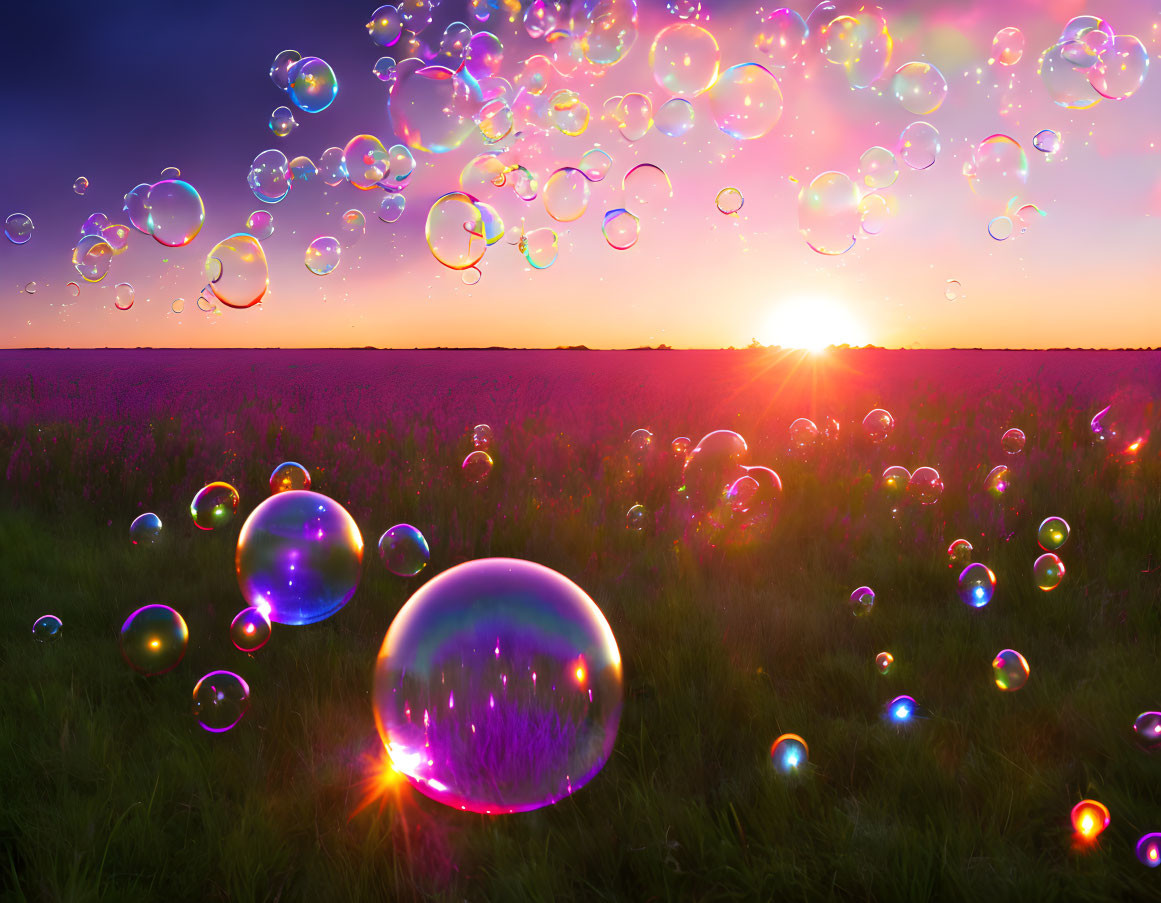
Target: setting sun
812,324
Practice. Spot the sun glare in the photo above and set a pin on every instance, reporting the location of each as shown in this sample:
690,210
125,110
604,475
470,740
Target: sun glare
812,324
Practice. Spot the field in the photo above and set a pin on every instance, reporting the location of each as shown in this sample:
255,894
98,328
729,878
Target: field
111,791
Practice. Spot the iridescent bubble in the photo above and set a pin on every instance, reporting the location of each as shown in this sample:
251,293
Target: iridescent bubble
312,84
385,26
1089,818
117,235
1047,141
976,585
269,178
877,425
789,754
280,68
1007,46
18,228
874,213
353,227
998,480
729,201
919,145
828,213
539,248
74,290
80,185
646,183
404,550
154,639
135,207
384,68
803,434
1000,228
402,165
894,480
781,36
477,466
712,466
878,168
608,30
323,255
1066,84
959,553
1052,533
145,530
1013,440
920,88
746,101
1121,68
862,601
175,212
92,257
455,231
901,710
633,114
250,630
1149,849
1147,731
566,194
861,44
883,662
498,687
567,113
925,485
621,229
684,59
640,441
1010,670
220,699
674,118
46,629
999,170
333,167
302,170
391,208
953,290
214,506
431,108
636,518
542,17
288,476
535,75
282,122
482,436
495,120
123,296
236,270
1048,571
1123,427
260,224
367,162
595,164
1079,26
96,224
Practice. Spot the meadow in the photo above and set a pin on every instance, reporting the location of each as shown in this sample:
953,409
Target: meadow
111,791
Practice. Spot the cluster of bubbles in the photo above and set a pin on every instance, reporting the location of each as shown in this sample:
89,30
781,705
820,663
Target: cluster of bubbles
1090,62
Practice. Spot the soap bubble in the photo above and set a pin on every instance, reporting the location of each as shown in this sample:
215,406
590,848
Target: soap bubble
280,68
145,530
299,557
1089,818
260,224
391,208
18,228
455,231
386,25
288,476
1122,66
74,289
302,170
567,113
178,305
95,224
250,630
322,255
976,585
712,466
312,84
877,425
901,710
1067,84
214,505
729,201
828,213
883,662
1147,731
1149,849
874,212
135,207
384,69
46,629
269,177
539,248
1052,533
895,479
788,754
608,30
477,466
633,114
92,257
684,59
1008,46
621,229
1047,141
366,161
998,481
482,436
647,183
878,168
746,101
432,108
31,287
636,518
1012,442
640,442
953,290
781,36
353,227
153,639
999,170
861,44
541,17
862,601
566,194
803,434
498,687
674,118
333,167
1048,571
175,212
123,296
80,185
1010,670
404,550
1000,228
237,271
282,122
681,446
220,699
919,87
1122,427
959,553
919,145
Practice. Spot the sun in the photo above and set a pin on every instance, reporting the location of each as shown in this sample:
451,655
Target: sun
812,324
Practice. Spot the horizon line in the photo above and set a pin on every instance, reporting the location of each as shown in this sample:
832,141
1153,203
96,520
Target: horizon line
749,348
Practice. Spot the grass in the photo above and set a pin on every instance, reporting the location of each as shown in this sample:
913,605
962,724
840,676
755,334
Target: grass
112,792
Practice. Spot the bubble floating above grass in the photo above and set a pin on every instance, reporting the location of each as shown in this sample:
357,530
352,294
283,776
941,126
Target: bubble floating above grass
883,662
154,639
789,754
250,630
498,687
145,530
214,506
1052,533
636,518
287,476
482,436
894,480
878,425
925,485
1089,819
477,466
1013,441
959,553
998,481
901,710
1147,731
404,550
1010,670
47,629
1048,571
862,601
220,699
976,585
1149,849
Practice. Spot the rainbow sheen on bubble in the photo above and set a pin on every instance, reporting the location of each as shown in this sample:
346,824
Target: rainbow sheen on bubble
1052,533
237,272
404,550
47,629
175,212
288,476
145,530
1048,571
18,228
1010,670
862,601
250,630
498,687
883,662
746,101
323,255
1089,818
684,58
878,425
1147,731
621,229
901,710
976,585
781,36
220,699
919,145
1149,849
729,201
1007,46
477,466
919,87
154,639
674,118
214,506
282,122
311,84
566,194
959,553
789,754
1013,441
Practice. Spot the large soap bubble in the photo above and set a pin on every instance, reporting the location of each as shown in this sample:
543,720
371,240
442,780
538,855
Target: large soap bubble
746,101
828,213
684,59
312,84
175,212
220,699
919,87
153,639
498,687
781,36
214,505
299,557
404,550
432,108
237,271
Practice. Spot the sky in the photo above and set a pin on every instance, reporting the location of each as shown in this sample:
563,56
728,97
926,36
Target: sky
117,95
